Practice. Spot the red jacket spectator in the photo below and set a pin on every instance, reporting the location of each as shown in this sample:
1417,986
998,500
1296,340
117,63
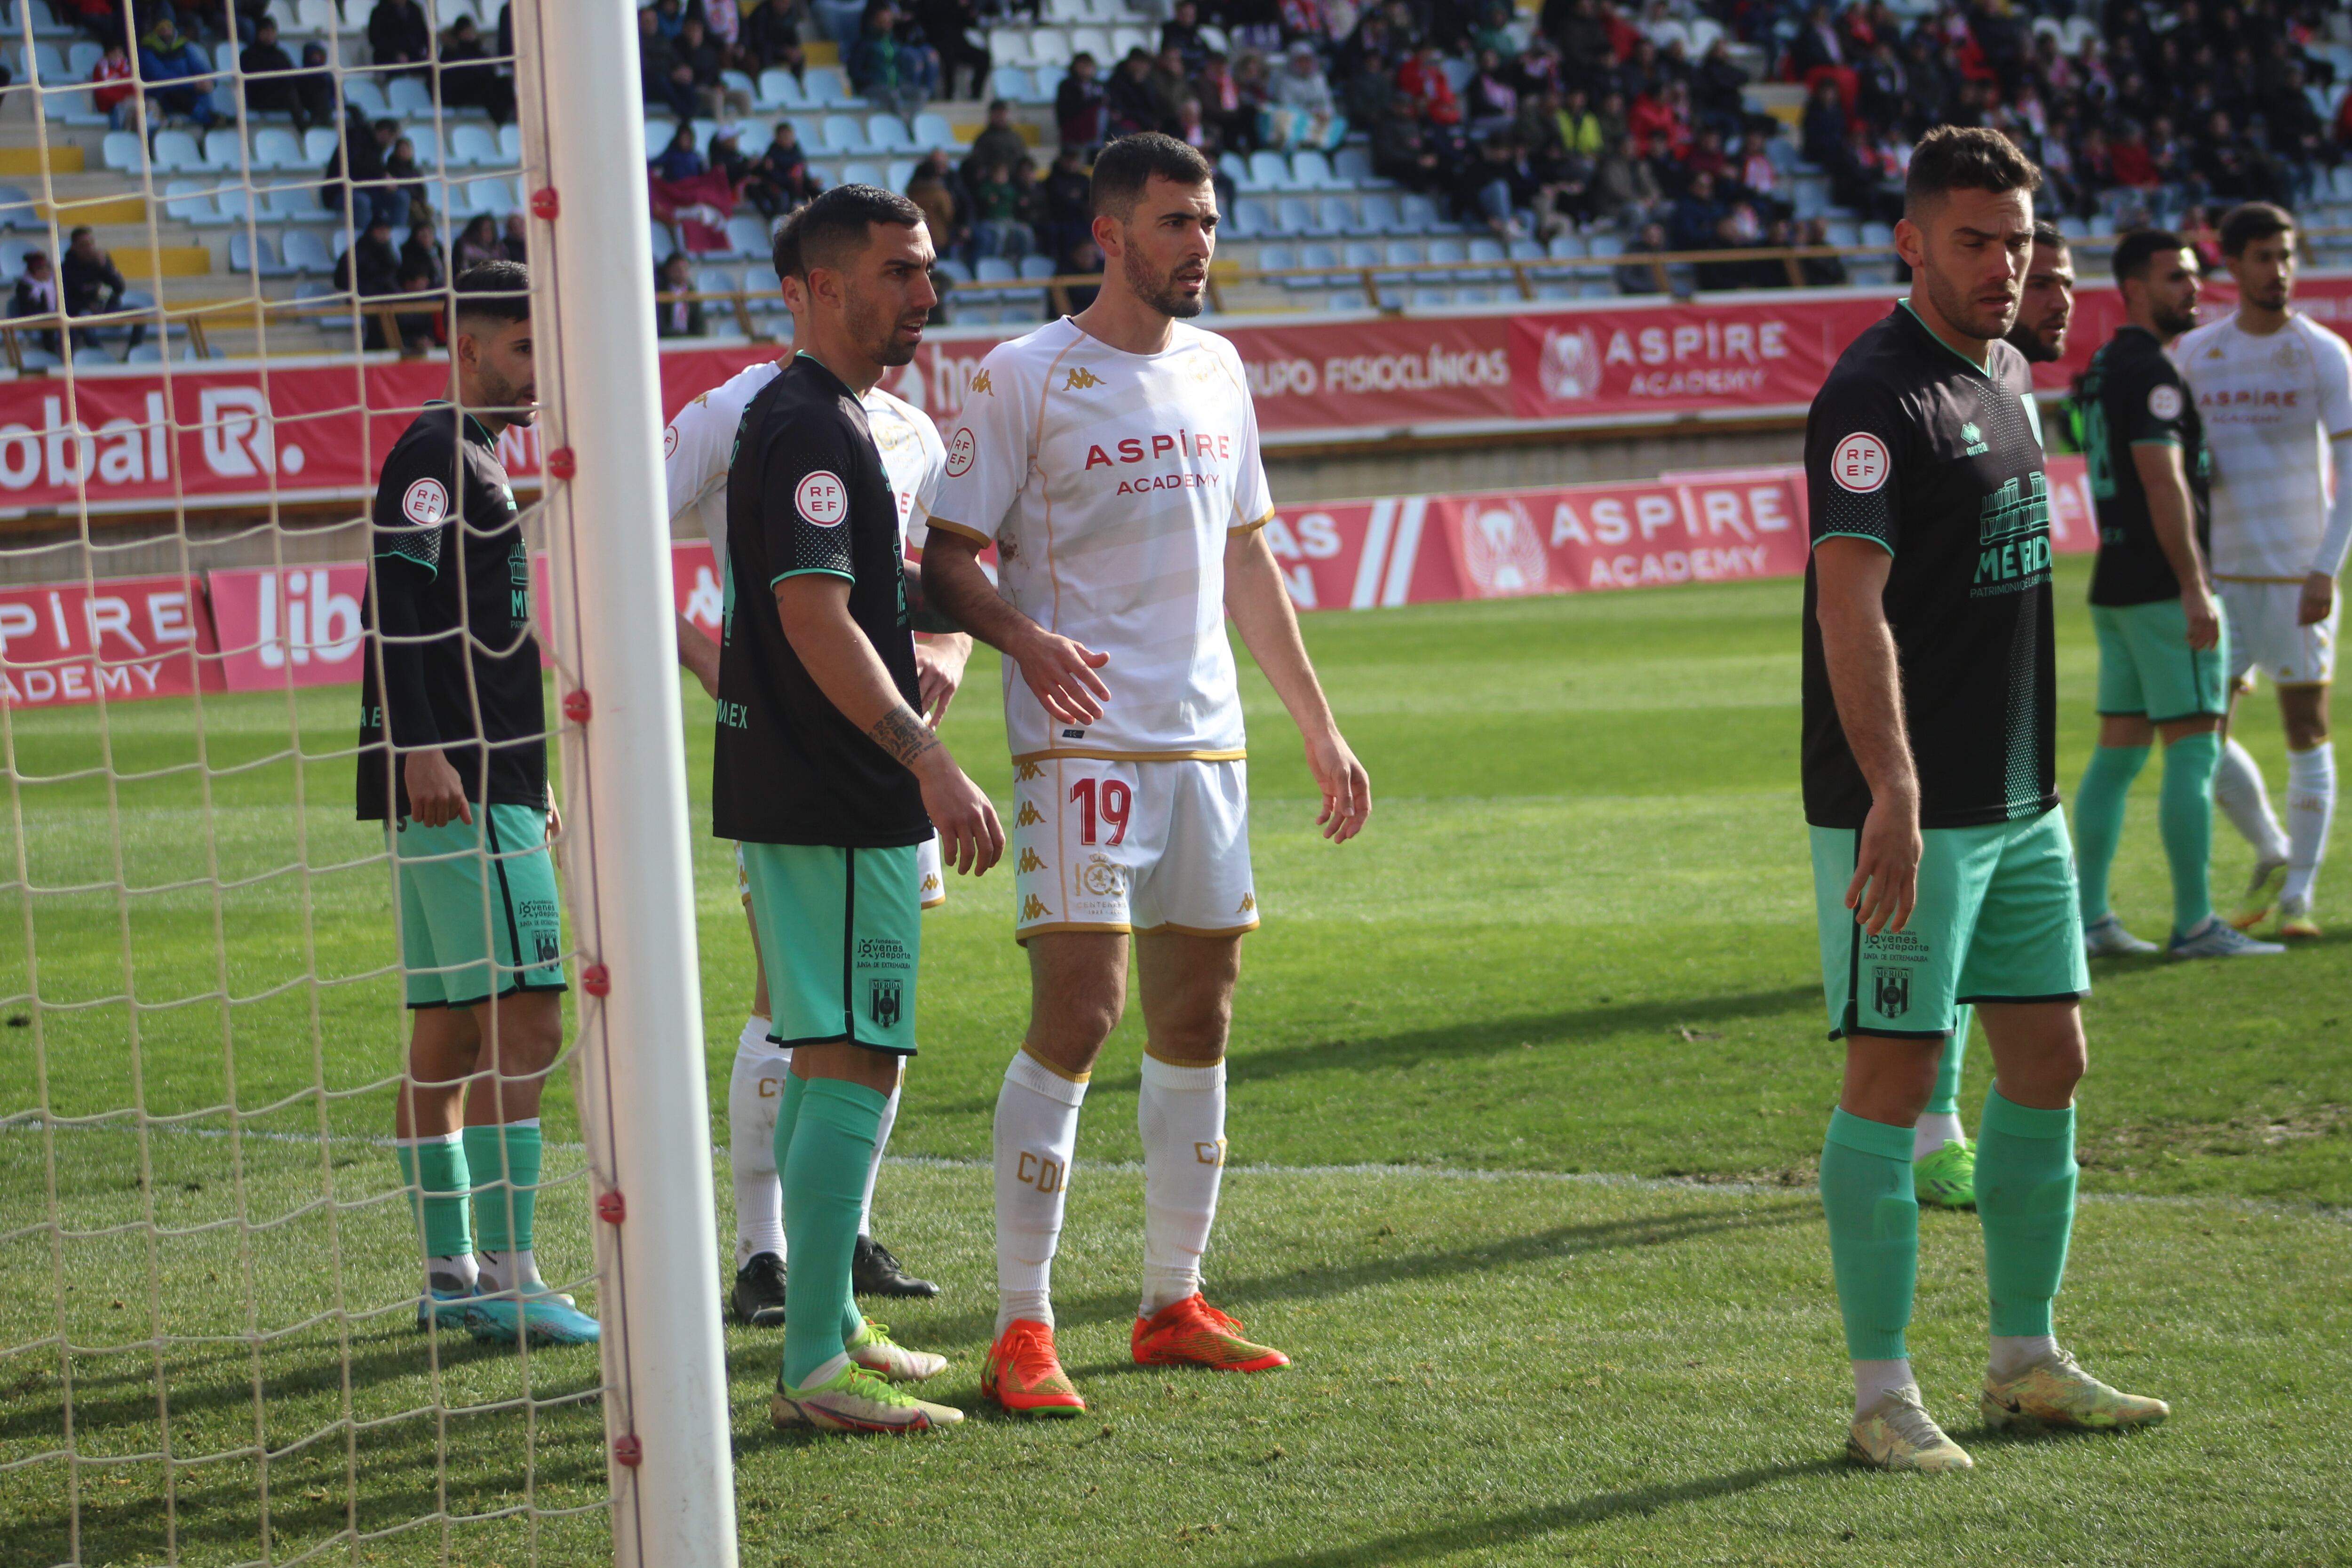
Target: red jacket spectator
1422,77
2132,164
114,67
1653,125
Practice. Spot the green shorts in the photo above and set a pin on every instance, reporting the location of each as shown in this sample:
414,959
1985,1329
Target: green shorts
2146,667
841,932
1996,921
479,916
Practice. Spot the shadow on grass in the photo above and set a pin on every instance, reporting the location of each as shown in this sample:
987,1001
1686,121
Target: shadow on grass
1513,1528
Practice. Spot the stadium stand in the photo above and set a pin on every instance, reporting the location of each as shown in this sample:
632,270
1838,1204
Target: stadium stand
1413,154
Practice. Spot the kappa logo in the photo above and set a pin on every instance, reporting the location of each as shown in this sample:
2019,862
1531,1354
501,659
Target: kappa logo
1030,815
1034,907
931,883
1890,990
980,384
1081,380
1029,859
1248,905
1026,772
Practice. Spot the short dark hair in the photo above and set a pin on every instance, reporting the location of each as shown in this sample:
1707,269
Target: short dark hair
2135,251
2250,221
2049,234
1965,158
496,292
835,226
1125,166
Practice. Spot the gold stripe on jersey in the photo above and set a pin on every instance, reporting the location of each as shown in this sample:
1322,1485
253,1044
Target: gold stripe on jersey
1241,527
1104,754
971,533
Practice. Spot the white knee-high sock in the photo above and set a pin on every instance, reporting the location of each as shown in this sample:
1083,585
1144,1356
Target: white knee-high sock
2310,805
1181,1113
2238,790
1036,1135
881,1141
754,1089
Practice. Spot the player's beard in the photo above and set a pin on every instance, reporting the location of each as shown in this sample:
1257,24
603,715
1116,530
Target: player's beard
2031,344
1962,311
2171,324
874,323
505,400
1158,290
2273,298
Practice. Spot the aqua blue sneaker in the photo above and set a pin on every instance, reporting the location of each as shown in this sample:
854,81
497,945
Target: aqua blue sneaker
439,1308
543,1320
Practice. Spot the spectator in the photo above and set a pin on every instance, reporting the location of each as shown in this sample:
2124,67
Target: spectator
114,102
1643,277
1494,98
1128,103
999,142
355,173
398,35
467,80
516,241
93,285
1069,205
780,178
771,38
705,63
1078,104
370,271
421,251
1625,188
1170,86
664,79
1422,77
420,331
165,57
679,160
947,206
1500,185
1182,33
1739,229
725,154
677,317
1083,258
998,226
400,167
1401,151
478,242
1367,67
888,70
949,28
1692,223
1819,272
1719,89
1194,131
1222,104
36,295
1303,112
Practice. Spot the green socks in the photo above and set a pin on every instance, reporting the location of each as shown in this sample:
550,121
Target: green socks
435,1172
1873,1232
505,1162
2025,1199
788,1112
2099,818
824,1165
2185,817
1946,1101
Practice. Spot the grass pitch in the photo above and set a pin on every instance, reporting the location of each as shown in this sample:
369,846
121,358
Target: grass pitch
1528,1085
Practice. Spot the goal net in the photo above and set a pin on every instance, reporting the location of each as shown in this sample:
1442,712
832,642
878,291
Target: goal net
233,265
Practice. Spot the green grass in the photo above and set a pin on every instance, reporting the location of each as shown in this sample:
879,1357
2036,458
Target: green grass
1528,1085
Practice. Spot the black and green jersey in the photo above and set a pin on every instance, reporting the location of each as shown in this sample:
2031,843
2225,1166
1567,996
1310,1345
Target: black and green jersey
2133,395
807,492
450,658
1938,462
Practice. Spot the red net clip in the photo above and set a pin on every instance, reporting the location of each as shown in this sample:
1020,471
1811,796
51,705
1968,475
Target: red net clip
577,707
544,204
561,464
596,980
611,1207
627,1450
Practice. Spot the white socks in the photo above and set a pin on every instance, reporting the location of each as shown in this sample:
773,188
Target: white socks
2238,790
2310,803
1181,1113
2014,1354
1935,1128
754,1091
881,1141
1874,1379
497,1272
1036,1135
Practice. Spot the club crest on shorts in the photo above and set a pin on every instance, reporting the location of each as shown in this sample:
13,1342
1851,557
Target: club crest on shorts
882,1003
1890,990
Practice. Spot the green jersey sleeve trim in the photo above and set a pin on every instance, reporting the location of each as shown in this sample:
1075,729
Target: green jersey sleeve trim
2158,441
1846,533
812,571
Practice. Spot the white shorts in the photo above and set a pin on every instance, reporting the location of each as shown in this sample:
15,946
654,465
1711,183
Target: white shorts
2263,635
1126,846
926,869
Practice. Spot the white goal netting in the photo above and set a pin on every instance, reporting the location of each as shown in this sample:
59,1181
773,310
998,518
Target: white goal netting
225,309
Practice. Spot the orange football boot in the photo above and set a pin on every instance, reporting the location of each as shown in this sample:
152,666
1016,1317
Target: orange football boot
1024,1375
1190,1333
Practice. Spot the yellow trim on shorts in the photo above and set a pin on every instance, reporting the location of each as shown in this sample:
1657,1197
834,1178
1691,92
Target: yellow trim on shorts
1021,934
1059,1073
1199,930
1104,754
2219,577
935,903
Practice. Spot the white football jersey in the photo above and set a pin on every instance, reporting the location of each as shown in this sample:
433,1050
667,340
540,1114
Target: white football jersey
1111,483
2269,405
697,443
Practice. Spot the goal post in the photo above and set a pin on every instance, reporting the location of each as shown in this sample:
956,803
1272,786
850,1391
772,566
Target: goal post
643,1104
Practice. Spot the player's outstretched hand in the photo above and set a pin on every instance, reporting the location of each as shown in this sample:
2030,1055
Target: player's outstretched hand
1347,787
437,796
1886,867
1062,674
971,838
2318,598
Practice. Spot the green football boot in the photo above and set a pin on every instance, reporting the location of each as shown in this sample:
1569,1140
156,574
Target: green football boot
2059,1395
1947,1178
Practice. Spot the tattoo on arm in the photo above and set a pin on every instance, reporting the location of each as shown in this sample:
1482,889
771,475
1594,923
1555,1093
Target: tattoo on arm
904,735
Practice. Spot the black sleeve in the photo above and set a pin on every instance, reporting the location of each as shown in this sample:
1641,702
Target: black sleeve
413,518
400,585
804,495
2152,406
1855,445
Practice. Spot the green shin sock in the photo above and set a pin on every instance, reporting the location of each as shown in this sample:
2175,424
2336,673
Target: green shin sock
1947,1100
824,1186
2025,1201
1873,1232
2099,820
2186,815
505,1162
436,1175
788,1112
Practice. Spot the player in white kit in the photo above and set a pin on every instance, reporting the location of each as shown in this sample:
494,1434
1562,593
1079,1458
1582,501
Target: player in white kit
696,448
2274,391
1112,458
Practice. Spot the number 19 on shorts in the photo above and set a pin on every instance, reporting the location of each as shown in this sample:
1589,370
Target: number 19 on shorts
1111,844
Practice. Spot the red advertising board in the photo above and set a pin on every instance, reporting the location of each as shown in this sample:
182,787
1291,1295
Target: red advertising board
124,640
